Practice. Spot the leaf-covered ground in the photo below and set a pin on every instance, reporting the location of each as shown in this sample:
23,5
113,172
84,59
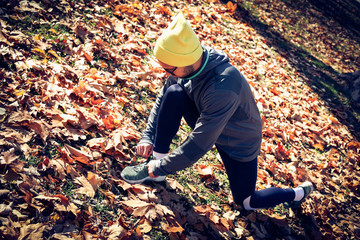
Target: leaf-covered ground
78,80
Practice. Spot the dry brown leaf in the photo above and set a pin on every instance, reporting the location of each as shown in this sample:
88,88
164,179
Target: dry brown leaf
165,210
76,152
192,188
81,30
143,210
115,231
95,180
144,226
140,108
5,209
204,171
130,134
171,225
175,184
8,157
32,231
117,140
226,223
40,128
59,168
203,209
86,188
135,203
63,199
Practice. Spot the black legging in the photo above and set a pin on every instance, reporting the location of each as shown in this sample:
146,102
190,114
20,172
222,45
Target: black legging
242,175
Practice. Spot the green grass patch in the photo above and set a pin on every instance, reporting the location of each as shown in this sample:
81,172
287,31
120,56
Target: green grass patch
68,187
320,64
105,212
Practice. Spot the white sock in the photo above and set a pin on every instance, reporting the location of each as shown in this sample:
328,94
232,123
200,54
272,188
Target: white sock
158,156
246,204
299,193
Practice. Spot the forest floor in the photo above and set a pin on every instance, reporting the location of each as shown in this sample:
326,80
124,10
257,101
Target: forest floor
78,80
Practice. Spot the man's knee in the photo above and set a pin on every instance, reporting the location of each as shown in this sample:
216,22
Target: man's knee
175,92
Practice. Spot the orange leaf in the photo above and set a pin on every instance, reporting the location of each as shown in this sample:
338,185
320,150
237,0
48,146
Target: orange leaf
319,146
163,10
63,199
172,226
28,196
37,37
99,41
137,5
202,209
82,159
96,101
174,229
88,57
109,122
104,64
274,91
333,120
354,145
204,171
281,152
231,7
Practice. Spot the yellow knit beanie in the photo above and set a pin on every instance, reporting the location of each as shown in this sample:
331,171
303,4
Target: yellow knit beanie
178,46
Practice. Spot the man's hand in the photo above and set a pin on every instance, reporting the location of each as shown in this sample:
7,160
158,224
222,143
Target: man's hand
144,150
151,168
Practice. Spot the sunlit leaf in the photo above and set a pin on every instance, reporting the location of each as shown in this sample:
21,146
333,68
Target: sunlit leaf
53,53
39,52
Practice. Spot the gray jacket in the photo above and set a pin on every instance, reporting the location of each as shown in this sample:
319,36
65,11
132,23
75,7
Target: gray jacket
228,118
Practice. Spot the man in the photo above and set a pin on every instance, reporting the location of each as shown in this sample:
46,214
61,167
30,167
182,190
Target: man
216,101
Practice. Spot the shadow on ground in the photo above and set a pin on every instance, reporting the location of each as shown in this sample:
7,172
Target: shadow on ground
323,79
345,12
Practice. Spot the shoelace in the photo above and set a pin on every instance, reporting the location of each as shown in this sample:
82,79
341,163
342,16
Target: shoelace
139,167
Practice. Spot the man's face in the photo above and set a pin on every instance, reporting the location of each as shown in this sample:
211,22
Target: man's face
175,71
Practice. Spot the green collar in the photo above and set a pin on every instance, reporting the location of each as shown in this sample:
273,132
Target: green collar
201,69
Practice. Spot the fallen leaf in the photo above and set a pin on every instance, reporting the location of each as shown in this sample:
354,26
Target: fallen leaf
204,171
144,226
115,231
5,209
85,188
95,180
318,146
39,52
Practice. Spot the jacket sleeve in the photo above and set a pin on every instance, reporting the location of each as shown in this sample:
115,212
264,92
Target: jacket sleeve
148,134
220,105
